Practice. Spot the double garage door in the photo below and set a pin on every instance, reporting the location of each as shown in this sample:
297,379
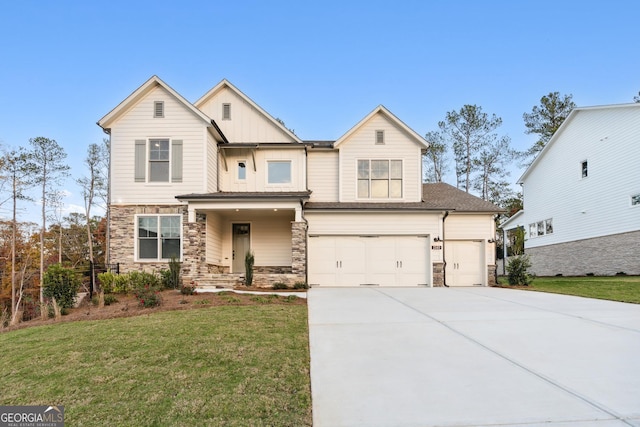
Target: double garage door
368,260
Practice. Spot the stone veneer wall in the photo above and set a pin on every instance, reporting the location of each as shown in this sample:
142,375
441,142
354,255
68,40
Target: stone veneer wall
438,274
602,256
491,275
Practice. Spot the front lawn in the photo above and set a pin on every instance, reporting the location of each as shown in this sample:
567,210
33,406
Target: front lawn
614,288
229,365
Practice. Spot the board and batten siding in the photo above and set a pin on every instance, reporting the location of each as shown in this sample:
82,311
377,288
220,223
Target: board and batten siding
212,164
138,123
373,223
600,204
246,124
257,180
322,175
270,237
214,239
397,146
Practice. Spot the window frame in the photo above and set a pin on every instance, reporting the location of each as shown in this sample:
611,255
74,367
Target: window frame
379,137
268,172
370,179
159,238
149,160
238,178
584,169
635,200
155,109
541,228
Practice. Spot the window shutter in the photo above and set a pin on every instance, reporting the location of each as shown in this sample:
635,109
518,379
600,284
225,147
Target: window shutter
140,160
176,160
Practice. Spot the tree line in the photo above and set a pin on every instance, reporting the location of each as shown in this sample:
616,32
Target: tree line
36,173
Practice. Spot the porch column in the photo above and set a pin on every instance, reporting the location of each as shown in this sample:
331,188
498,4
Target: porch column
299,249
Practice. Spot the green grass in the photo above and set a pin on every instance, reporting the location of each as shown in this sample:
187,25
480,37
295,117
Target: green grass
232,366
614,288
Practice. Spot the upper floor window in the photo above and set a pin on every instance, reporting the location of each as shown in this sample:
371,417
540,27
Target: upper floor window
541,228
585,169
379,137
242,170
226,111
158,237
158,109
635,200
379,179
279,172
158,160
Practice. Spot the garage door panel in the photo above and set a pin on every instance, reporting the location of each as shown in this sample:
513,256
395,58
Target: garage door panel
464,267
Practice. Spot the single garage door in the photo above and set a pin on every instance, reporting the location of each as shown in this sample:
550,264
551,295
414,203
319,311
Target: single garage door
464,263
368,260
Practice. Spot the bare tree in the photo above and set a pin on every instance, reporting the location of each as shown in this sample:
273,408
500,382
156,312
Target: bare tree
48,161
93,187
492,164
435,157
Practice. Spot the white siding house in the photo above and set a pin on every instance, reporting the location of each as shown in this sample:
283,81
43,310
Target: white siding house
582,196
212,181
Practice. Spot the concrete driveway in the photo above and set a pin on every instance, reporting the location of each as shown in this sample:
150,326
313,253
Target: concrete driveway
472,357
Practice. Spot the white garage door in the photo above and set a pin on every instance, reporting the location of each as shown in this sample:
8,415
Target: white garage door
464,263
368,260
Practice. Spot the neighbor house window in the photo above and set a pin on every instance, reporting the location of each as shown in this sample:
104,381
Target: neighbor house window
585,169
635,200
226,111
541,228
158,109
279,172
242,170
379,137
379,179
158,237
158,160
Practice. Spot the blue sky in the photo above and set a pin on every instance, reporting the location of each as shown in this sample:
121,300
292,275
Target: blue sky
319,66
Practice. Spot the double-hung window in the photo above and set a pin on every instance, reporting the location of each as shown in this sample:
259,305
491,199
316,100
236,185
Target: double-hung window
158,237
158,160
379,179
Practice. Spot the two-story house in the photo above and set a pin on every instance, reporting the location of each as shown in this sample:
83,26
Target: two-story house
210,181
582,196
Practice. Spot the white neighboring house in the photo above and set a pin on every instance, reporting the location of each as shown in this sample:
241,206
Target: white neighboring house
582,196
210,181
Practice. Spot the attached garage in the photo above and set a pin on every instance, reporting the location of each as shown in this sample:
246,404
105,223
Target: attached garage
369,260
465,263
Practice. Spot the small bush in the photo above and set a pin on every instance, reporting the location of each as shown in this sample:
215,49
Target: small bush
300,285
62,284
280,285
148,296
621,273
202,302
188,289
107,280
290,298
110,299
140,279
517,269
590,274
122,284
248,267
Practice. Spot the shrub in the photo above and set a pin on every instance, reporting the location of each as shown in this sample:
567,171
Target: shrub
279,285
110,299
248,265
189,289
174,273
107,280
517,269
62,284
300,285
122,284
148,296
621,273
140,279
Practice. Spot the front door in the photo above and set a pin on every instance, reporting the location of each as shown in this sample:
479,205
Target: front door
241,245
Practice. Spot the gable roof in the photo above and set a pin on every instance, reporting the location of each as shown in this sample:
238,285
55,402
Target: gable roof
447,197
381,109
142,91
226,84
562,128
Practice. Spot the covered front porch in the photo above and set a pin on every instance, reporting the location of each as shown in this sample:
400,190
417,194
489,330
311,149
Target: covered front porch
223,227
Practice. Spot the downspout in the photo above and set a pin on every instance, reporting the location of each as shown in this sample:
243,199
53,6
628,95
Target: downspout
306,231
444,259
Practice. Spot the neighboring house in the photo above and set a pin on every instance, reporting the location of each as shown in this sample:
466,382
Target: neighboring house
210,181
582,196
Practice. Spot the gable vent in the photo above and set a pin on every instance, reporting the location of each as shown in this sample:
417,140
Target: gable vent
379,137
158,109
226,111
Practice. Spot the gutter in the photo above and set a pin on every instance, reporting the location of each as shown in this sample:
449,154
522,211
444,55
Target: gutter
444,259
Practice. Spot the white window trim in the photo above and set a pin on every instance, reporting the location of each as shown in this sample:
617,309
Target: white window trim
370,198
279,184
246,170
544,228
148,161
136,255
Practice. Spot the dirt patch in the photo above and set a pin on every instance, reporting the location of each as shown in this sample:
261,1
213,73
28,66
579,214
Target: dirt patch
127,305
